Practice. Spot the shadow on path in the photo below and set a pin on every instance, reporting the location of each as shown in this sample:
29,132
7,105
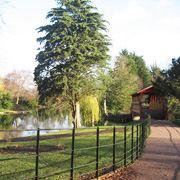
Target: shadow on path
178,151
161,158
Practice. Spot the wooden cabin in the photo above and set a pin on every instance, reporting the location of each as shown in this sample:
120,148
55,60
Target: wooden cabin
146,100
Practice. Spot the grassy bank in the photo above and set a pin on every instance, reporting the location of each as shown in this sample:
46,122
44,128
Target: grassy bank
5,110
58,156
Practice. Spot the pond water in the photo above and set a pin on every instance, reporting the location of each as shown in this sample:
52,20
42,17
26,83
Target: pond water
42,119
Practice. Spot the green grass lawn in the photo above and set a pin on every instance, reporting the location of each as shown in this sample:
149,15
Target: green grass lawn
57,162
5,110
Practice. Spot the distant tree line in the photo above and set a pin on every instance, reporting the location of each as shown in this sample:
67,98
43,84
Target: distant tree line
18,91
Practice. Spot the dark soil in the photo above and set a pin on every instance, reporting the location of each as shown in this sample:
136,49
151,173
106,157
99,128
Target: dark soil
27,149
44,148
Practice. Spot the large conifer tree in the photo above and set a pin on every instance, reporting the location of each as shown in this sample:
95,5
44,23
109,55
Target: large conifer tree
72,50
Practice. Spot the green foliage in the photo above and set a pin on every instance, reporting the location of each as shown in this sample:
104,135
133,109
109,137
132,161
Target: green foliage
124,84
26,108
137,66
168,84
32,103
173,105
48,101
5,101
155,71
6,121
73,50
104,83
90,110
173,109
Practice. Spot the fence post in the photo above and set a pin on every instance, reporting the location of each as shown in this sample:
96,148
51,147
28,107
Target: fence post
37,154
125,129
137,142
97,153
114,148
72,153
145,131
142,136
132,146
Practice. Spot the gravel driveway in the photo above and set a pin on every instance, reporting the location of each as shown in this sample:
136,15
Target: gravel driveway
161,159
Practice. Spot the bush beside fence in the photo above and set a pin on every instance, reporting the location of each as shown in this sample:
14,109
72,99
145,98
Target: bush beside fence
74,153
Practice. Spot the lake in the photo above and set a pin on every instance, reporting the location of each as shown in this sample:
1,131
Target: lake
41,119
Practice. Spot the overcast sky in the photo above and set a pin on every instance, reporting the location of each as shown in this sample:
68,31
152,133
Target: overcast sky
150,28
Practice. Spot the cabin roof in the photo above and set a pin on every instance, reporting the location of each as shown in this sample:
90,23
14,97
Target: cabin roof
146,90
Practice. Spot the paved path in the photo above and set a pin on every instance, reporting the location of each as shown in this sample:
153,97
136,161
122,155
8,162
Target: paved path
161,159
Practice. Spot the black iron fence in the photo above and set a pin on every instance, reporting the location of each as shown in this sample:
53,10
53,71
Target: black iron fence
85,153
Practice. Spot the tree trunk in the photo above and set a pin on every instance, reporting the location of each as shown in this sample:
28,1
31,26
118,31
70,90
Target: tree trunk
92,119
105,109
17,100
77,116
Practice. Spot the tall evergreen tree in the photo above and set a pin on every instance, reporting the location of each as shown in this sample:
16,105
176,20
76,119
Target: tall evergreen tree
73,49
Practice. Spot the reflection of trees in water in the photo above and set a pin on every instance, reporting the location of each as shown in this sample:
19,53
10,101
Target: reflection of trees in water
50,117
6,123
48,113
44,119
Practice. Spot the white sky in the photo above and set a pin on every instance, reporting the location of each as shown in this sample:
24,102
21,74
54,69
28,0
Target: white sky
150,28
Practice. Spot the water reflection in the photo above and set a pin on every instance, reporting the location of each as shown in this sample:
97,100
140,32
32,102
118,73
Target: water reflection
43,119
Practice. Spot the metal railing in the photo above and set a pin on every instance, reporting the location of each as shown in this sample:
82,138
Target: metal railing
86,152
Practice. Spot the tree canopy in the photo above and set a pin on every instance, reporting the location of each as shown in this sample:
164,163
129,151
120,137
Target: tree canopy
138,66
168,84
90,110
124,83
73,49
155,72
19,83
